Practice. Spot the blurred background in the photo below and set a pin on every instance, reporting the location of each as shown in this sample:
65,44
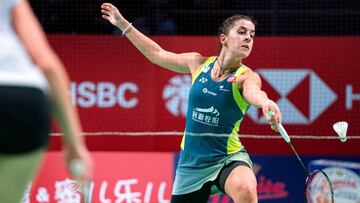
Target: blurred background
202,17
133,112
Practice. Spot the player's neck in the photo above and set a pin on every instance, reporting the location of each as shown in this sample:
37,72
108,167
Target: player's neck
226,66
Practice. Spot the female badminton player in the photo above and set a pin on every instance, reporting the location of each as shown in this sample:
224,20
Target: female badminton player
222,90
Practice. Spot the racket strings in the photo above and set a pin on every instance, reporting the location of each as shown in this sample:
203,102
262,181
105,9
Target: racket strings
318,188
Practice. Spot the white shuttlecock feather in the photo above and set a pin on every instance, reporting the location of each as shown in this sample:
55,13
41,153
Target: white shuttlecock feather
341,129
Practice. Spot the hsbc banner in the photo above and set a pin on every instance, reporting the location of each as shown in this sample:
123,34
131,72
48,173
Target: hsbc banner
116,89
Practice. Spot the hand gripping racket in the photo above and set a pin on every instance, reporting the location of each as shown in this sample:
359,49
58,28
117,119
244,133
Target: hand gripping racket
318,187
77,168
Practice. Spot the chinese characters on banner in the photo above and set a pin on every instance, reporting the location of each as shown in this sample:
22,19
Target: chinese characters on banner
119,177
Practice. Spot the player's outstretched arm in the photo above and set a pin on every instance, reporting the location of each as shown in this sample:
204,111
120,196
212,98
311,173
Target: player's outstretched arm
33,37
251,90
184,62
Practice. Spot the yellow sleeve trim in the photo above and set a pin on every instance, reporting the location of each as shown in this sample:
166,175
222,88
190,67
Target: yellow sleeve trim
198,71
234,145
182,145
242,104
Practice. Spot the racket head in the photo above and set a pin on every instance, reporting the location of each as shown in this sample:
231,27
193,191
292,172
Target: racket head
318,188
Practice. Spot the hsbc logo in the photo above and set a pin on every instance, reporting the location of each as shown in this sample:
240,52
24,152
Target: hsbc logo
315,98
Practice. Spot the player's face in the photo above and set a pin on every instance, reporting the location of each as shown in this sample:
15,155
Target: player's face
240,38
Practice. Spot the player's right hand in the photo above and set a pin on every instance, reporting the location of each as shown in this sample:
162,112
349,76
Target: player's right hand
112,14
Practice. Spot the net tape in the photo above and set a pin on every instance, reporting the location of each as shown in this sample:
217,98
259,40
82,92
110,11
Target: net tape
176,133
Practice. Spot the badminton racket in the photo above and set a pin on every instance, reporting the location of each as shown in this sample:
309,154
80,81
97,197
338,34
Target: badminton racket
318,187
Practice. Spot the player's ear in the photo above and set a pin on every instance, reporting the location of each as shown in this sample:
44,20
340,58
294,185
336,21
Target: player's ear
223,39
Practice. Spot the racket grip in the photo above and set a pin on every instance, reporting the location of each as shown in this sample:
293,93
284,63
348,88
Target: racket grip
283,133
281,128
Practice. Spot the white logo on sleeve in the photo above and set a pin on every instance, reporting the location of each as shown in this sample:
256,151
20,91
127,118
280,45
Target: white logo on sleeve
203,80
205,69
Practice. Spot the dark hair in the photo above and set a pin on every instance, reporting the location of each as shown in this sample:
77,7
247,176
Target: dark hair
229,23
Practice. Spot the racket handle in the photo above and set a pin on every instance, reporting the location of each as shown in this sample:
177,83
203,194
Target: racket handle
281,128
283,133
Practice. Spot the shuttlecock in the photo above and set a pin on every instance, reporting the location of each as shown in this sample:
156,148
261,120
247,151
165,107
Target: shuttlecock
341,129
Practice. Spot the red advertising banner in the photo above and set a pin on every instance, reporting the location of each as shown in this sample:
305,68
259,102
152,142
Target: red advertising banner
128,103
118,177
147,177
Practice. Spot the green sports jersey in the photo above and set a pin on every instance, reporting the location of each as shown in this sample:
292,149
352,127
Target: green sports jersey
214,108
210,141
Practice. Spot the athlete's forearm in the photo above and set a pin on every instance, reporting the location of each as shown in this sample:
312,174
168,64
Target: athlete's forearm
252,90
255,96
150,49
183,63
64,111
